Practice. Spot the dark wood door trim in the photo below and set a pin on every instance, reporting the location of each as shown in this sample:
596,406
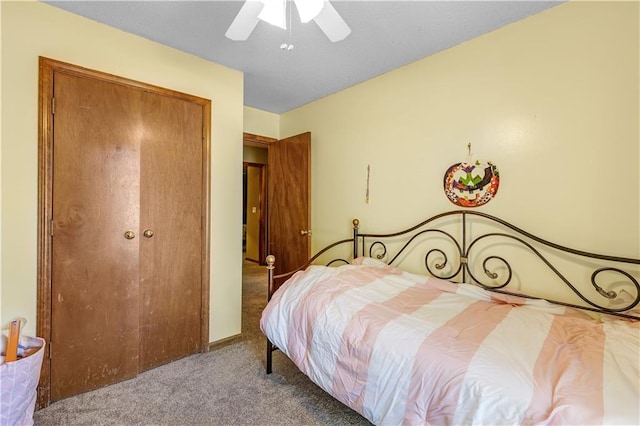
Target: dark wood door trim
206,225
263,212
47,68
45,202
249,139
262,246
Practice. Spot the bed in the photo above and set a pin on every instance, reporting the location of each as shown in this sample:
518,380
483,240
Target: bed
467,340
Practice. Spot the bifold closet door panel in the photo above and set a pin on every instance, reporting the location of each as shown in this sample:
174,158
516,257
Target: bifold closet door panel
95,268
171,229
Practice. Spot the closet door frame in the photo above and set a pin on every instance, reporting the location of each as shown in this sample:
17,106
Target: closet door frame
47,68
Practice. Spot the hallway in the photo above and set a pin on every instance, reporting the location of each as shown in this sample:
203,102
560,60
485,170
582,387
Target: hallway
254,298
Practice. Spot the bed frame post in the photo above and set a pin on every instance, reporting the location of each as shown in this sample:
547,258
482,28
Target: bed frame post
463,259
271,260
356,224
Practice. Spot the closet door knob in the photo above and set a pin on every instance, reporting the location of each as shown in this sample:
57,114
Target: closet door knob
129,235
148,233
305,232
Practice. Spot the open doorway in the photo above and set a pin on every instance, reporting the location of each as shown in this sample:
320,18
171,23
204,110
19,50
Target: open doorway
288,199
254,214
254,197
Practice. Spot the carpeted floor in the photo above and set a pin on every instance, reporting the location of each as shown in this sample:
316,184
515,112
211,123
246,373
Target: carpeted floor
227,386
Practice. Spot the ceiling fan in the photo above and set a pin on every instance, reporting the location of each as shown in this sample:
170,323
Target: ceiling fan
275,13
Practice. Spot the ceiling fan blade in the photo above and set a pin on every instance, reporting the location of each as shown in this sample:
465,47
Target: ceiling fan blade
308,9
245,21
330,21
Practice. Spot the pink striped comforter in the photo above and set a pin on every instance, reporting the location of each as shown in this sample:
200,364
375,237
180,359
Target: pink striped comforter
401,348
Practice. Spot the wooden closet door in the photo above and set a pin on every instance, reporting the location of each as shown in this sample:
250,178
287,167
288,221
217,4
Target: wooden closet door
127,250
94,293
171,209
117,158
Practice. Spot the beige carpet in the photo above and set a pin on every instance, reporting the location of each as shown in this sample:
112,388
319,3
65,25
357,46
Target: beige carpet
227,386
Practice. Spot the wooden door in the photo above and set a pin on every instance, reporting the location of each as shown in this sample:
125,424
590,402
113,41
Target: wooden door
289,201
255,212
125,176
171,230
95,269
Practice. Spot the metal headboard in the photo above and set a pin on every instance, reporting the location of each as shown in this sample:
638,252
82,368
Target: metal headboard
462,271
373,245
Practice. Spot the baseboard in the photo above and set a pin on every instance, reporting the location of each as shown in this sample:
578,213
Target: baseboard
224,342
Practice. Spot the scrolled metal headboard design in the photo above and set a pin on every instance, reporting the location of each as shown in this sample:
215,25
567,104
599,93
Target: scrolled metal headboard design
436,259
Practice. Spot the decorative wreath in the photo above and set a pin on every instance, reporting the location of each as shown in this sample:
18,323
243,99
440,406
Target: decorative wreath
465,188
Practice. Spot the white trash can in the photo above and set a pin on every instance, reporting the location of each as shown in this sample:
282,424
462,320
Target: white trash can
19,384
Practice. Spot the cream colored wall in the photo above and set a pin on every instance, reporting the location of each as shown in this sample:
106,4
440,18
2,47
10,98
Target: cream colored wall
262,123
2,322
32,29
552,100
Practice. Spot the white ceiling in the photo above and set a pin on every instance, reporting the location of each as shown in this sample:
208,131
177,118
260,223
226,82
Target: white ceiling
385,35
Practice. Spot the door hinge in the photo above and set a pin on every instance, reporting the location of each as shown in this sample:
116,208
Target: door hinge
51,228
53,105
50,350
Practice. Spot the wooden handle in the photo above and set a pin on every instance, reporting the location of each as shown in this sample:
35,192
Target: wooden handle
12,343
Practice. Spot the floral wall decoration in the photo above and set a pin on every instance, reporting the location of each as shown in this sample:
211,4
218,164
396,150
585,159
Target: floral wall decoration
471,184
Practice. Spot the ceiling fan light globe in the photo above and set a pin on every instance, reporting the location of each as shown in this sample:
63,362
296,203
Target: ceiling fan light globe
274,12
